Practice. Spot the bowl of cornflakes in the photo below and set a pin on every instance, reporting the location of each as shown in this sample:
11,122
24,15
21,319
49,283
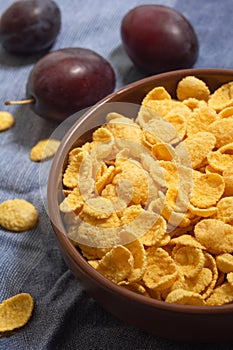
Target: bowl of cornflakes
140,196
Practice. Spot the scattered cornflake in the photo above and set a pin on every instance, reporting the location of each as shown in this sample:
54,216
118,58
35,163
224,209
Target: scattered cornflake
6,121
18,215
44,149
15,312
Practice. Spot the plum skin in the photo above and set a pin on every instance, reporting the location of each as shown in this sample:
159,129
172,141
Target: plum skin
68,80
158,38
30,26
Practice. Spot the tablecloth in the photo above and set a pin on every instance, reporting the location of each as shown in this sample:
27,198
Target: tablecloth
65,316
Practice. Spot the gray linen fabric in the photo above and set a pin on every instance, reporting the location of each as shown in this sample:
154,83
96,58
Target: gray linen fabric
65,317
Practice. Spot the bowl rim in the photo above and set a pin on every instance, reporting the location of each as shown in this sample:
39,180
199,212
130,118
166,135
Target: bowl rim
56,221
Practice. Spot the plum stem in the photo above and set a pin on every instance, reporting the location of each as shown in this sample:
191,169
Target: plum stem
22,102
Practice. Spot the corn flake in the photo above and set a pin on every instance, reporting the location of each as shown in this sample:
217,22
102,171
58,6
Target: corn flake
211,185
222,97
225,262
139,255
190,260
192,87
93,254
70,176
98,207
200,120
105,178
225,210
197,149
197,284
44,149
125,129
117,264
102,135
18,215
160,270
194,103
133,172
222,159
226,112
219,242
230,278
179,123
6,121
134,287
203,212
228,179
73,202
185,297
221,295
155,234
187,240
158,93
15,312
222,130
164,107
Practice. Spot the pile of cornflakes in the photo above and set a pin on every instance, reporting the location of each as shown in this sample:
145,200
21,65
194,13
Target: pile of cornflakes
149,202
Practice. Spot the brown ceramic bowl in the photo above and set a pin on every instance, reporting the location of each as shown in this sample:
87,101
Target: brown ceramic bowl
178,322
